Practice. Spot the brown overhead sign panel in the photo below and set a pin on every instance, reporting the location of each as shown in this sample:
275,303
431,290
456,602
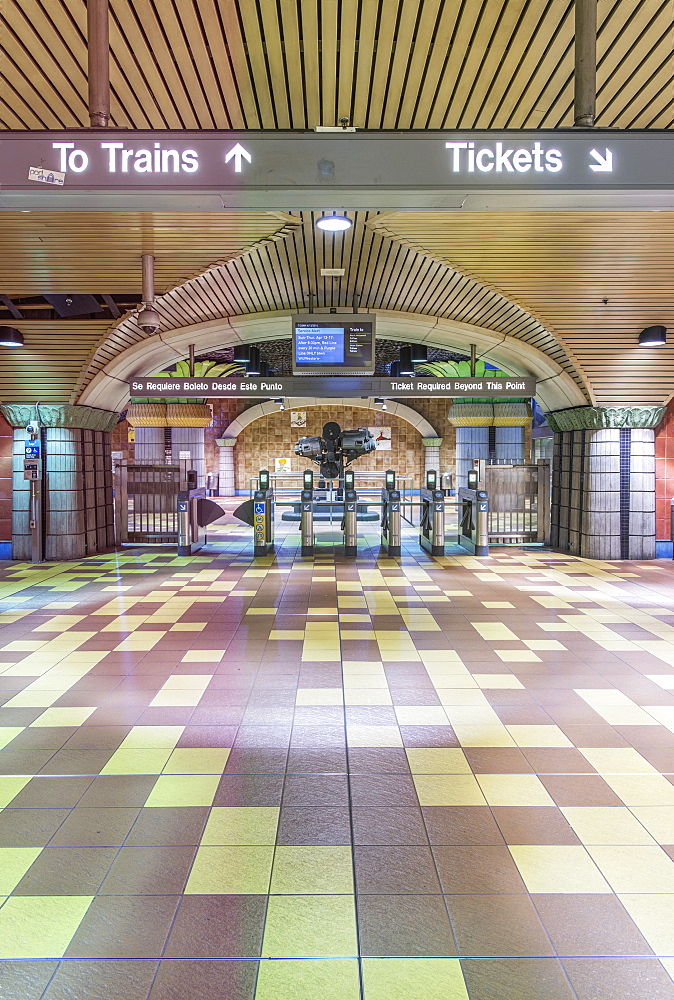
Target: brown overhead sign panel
351,387
280,170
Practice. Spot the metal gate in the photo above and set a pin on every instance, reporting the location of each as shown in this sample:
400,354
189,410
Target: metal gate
146,503
519,503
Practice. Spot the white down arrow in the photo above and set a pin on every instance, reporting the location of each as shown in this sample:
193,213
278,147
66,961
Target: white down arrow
603,164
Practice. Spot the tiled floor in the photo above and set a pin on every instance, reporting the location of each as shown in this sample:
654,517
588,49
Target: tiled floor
288,779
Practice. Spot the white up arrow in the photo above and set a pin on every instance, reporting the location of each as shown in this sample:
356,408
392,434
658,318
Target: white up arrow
239,153
603,164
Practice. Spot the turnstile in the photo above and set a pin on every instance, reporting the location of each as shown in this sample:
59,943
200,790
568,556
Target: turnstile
350,519
432,523
474,520
263,516
307,514
195,511
390,515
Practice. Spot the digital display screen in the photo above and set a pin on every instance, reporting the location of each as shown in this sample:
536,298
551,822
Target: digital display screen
331,344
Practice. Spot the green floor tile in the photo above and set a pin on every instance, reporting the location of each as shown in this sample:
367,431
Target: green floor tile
10,786
308,980
137,762
197,761
14,863
237,871
308,926
312,870
413,979
253,825
184,790
40,926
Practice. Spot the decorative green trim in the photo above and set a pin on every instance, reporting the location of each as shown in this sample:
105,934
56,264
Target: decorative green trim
59,415
225,442
431,442
578,418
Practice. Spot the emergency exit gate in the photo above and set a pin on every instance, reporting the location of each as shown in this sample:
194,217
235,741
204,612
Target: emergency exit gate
519,502
146,507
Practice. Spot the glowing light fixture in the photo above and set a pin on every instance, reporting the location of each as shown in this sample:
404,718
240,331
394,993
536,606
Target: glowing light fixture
9,337
653,336
334,223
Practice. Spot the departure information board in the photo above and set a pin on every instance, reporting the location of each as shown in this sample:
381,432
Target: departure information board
333,344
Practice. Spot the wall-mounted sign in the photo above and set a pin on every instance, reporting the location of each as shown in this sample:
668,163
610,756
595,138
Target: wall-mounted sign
382,438
263,388
276,169
298,418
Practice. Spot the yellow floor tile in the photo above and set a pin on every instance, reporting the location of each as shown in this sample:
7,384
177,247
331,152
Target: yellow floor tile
658,820
514,790
635,869
413,979
319,696
654,916
167,698
373,736
298,979
448,790
437,760
497,681
62,717
10,786
192,760
310,926
417,715
553,869
367,695
539,736
14,863
203,656
618,760
183,790
40,926
137,762
641,789
312,870
8,733
237,871
517,656
482,735
606,825
152,738
242,825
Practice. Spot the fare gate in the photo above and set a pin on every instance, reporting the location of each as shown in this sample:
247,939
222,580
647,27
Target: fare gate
263,517
432,523
390,515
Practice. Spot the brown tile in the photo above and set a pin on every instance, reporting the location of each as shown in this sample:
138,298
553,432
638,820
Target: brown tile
42,738
316,790
77,762
497,760
98,738
558,760
580,790
470,826
497,925
149,871
394,790
25,980
388,826
106,980
395,870
608,978
117,790
594,736
168,827
217,927
124,927
66,871
94,828
533,825
589,925
249,790
47,792
23,761
404,925
477,870
377,760
516,979
29,827
309,825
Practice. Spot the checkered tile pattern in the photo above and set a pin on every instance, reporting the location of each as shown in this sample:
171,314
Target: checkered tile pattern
283,779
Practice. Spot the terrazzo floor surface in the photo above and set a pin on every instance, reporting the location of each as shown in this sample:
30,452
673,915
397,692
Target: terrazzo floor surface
283,779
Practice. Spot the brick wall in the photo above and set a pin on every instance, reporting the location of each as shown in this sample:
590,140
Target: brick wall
272,437
6,446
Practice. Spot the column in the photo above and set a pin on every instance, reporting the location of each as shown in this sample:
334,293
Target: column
77,480
150,446
603,485
190,440
226,466
432,456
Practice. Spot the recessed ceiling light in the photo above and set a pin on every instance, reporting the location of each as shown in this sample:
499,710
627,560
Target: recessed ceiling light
9,337
653,336
334,223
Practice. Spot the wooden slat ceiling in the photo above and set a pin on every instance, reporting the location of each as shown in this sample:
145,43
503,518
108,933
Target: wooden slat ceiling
560,266
99,252
283,274
300,63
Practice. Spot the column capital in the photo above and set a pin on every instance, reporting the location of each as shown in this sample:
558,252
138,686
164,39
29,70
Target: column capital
59,415
226,442
579,418
431,442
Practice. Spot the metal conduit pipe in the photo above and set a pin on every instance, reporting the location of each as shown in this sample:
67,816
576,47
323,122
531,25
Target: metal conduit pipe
98,63
585,72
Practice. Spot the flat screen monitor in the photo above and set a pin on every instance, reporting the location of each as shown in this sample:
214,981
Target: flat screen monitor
333,344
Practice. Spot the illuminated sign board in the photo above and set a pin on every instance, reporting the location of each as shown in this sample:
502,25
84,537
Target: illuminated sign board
327,344
497,387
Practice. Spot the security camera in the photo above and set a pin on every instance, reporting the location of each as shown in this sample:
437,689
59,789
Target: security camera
148,320
344,122
32,430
